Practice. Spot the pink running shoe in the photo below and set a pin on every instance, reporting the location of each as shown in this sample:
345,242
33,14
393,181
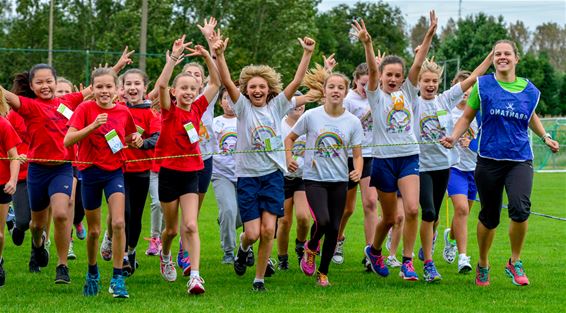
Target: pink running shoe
322,280
153,248
308,264
517,273
482,276
195,285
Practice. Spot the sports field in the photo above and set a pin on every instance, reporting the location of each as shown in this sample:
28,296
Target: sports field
352,289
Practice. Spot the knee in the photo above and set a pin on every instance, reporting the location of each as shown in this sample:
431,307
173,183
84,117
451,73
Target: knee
370,205
170,232
285,223
118,224
461,211
94,232
252,234
412,212
60,217
1,237
191,227
303,220
428,215
267,232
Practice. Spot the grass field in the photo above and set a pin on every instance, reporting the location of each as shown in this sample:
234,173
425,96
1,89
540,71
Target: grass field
352,289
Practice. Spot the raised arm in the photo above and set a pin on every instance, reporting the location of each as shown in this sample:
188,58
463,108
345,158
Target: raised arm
373,67
11,98
163,81
308,48
214,81
219,47
480,70
423,51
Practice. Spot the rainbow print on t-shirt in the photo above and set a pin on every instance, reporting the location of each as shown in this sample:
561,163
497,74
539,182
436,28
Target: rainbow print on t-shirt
227,143
327,144
398,121
260,134
430,128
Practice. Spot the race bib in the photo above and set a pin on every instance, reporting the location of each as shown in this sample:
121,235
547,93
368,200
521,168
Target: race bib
442,118
114,141
192,132
63,109
273,143
140,130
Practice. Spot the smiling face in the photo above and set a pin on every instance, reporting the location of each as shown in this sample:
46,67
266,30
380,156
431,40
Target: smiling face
428,85
134,88
104,89
43,84
392,77
257,90
63,89
361,85
195,72
504,58
335,90
185,90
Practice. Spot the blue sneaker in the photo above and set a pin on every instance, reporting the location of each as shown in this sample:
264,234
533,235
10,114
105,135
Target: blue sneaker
92,285
377,262
408,271
118,287
430,272
421,253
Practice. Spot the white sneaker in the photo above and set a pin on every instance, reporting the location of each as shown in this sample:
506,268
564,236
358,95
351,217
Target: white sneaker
392,261
168,270
195,285
388,241
450,249
71,254
464,265
338,256
106,248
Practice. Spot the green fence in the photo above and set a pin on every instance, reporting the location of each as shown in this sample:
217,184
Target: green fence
544,159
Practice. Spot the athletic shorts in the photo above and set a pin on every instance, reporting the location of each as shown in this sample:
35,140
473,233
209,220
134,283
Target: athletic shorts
46,180
204,176
293,184
386,172
95,180
262,193
4,197
366,170
173,184
462,183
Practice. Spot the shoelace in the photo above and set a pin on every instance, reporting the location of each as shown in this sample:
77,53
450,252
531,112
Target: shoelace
483,274
519,268
432,269
322,278
186,260
310,257
409,266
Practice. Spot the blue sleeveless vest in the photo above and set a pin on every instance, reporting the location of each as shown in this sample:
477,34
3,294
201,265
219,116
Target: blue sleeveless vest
505,120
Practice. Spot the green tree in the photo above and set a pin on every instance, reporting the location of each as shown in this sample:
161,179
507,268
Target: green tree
543,75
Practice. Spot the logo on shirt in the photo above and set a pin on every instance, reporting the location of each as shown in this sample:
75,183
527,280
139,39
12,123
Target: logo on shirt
367,122
227,143
328,143
260,134
430,128
398,121
510,106
299,147
509,111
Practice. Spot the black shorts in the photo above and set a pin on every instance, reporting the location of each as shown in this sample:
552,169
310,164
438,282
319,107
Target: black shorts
293,184
366,171
4,197
517,179
204,176
173,184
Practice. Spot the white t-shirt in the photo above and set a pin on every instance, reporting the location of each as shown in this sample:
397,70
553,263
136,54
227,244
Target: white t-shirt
391,126
224,163
207,142
259,128
434,121
468,158
330,136
298,148
359,106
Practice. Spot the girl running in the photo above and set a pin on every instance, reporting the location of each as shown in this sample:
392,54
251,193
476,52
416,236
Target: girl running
178,180
101,128
507,104
331,130
260,105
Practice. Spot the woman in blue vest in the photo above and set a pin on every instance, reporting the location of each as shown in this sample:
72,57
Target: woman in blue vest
507,104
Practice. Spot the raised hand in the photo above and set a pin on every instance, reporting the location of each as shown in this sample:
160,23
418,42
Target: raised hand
361,31
379,57
198,51
125,58
208,28
307,44
218,44
179,47
433,21
329,63
177,61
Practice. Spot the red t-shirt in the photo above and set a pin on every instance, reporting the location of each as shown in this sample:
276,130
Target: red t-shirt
147,122
94,147
19,125
8,140
156,164
47,127
174,140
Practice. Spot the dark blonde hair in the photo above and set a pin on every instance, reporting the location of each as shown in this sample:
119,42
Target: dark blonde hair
272,78
461,76
101,71
361,70
180,75
135,71
509,42
316,78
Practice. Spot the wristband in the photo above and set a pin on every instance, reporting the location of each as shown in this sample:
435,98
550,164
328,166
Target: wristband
545,136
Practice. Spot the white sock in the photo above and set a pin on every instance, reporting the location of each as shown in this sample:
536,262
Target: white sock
166,258
259,280
461,255
195,274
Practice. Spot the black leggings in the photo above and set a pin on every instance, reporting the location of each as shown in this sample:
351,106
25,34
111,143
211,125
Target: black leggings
22,209
327,201
136,186
79,209
433,187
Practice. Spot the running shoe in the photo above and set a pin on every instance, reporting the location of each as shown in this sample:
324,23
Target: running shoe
240,262
92,285
283,262
71,253
376,262
40,254
228,258
127,268
250,258
154,244
258,286
270,269
11,220
81,231
118,287
388,241
366,263
195,285
33,267
168,271
2,273
482,276
299,249
62,274
18,236
322,279
186,265
392,262
464,265
308,264
106,248
517,273
450,248
408,271
181,254
338,256
430,272
421,252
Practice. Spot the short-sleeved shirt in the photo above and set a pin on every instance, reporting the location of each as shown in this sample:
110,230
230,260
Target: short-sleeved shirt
94,148
225,132
516,86
298,148
258,128
328,139
207,141
47,126
21,129
174,139
467,157
359,106
147,124
434,121
393,121
8,139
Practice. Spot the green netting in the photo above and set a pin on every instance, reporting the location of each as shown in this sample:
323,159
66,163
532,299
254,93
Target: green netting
544,159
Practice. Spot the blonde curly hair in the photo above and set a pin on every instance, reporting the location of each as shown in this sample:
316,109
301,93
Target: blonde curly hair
272,78
430,66
315,80
4,108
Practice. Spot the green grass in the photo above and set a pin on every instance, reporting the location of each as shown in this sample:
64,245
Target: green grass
352,290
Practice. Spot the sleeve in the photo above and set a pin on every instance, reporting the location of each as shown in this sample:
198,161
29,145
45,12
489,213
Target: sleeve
451,97
10,138
411,92
357,132
474,99
78,120
282,105
239,106
201,105
27,106
373,98
71,100
154,122
130,126
210,107
300,127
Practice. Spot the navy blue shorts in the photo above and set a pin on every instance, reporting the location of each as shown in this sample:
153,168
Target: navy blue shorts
44,181
96,180
386,172
173,184
462,183
4,197
263,193
204,176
